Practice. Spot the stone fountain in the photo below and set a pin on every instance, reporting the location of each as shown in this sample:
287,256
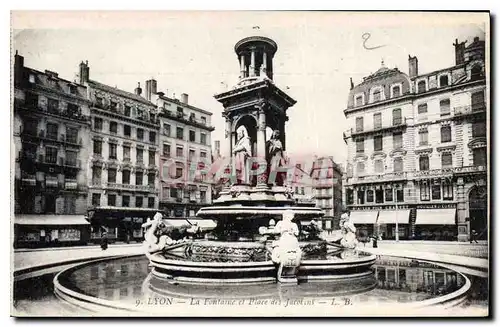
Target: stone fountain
262,235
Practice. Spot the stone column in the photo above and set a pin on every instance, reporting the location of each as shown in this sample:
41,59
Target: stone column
242,66
463,225
252,63
261,143
263,68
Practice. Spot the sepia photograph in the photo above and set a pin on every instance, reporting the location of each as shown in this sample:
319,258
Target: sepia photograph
250,164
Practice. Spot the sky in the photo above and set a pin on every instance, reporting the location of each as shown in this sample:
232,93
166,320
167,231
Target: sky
193,53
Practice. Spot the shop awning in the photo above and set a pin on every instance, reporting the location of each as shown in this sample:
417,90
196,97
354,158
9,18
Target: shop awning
203,223
50,220
435,217
390,216
176,222
363,217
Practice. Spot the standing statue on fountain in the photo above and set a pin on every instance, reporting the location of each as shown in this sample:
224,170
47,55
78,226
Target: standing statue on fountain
348,230
241,152
276,158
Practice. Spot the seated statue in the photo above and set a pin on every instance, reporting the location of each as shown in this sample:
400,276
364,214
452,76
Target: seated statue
348,231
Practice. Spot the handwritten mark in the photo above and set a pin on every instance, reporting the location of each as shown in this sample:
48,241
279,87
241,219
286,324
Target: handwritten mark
366,37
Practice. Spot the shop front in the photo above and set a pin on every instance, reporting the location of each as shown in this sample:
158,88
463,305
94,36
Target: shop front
386,224
364,221
36,231
436,224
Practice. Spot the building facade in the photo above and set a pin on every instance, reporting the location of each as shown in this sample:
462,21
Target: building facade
123,166
186,154
50,137
327,190
417,150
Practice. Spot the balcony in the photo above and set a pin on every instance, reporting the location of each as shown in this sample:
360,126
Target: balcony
131,187
387,177
393,127
181,117
469,110
66,114
470,170
433,173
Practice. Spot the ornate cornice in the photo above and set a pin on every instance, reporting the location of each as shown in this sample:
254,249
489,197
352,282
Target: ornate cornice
399,152
478,142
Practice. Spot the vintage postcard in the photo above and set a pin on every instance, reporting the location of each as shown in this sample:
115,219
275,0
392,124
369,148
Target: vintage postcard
250,164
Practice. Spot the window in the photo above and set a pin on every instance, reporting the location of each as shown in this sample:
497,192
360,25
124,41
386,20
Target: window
126,176
425,192
359,100
97,147
151,158
192,116
98,124
377,120
180,133
126,201
203,138
369,196
126,153
31,100
192,136
139,201
479,129
379,196
421,87
52,130
479,157
399,196
436,192
174,193
422,108
203,120
191,155
444,106
359,124
113,127
152,137
350,196
361,197
140,134
396,117
360,168
376,95
126,130
443,80
180,110
71,135
126,111
73,109
111,199
475,73
389,195
379,166
151,179
446,160
178,172
96,175
139,155
113,105
423,136
140,114
50,155
166,129
166,150
53,105
151,202
179,152
477,101
203,154
360,145
203,196
96,199
32,78
377,143
447,191
423,162
397,140
396,91
71,158
398,164
138,178
112,151
445,134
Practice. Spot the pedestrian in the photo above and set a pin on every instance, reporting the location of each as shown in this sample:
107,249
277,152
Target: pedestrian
473,236
375,241
104,241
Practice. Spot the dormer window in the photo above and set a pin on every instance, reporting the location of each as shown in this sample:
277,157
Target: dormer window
32,78
376,96
359,100
421,87
72,89
443,80
475,73
396,91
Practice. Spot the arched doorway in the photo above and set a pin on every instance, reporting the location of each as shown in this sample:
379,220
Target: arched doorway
478,211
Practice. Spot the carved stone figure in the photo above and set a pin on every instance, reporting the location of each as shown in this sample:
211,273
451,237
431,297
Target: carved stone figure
348,230
275,157
241,152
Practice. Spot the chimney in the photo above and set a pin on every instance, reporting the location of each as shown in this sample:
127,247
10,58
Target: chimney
138,89
18,68
184,98
476,39
459,52
413,66
84,72
150,89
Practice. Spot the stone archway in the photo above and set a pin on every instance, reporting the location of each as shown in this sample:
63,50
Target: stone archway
478,211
